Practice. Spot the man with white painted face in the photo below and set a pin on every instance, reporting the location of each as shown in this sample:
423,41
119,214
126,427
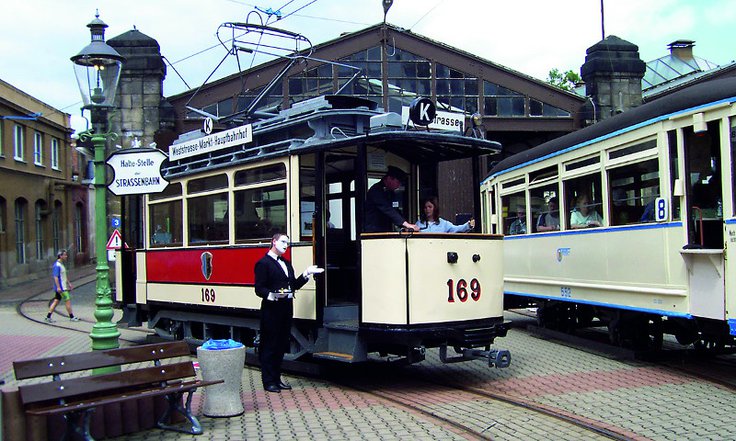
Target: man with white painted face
275,285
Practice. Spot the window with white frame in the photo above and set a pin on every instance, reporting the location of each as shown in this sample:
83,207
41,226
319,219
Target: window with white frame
37,148
18,142
40,247
54,153
21,207
2,146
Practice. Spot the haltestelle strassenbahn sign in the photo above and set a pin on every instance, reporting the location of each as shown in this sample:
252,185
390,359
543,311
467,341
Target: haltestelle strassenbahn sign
137,171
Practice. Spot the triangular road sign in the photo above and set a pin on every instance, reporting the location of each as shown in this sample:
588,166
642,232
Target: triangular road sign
115,242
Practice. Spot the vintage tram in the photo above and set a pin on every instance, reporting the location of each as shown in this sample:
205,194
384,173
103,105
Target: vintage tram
628,223
305,172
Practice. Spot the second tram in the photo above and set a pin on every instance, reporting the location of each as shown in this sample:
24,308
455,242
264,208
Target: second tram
628,223
305,172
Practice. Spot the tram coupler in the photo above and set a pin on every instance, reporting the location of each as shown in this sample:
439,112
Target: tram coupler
500,358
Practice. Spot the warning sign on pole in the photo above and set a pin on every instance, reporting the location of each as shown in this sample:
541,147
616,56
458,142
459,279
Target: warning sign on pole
115,242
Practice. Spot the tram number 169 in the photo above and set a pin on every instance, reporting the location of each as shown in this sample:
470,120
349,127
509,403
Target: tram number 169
208,295
461,289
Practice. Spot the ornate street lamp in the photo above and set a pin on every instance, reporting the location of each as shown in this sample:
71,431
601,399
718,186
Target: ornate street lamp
97,68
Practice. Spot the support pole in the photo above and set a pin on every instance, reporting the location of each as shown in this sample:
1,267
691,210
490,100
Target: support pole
104,333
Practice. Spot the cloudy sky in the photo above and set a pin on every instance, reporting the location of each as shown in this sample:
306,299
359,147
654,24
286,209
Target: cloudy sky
37,37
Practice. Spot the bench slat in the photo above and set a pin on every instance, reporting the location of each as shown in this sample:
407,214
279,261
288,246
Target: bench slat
98,359
151,392
117,382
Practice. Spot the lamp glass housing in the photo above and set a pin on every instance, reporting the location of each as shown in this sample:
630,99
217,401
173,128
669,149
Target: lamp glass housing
97,75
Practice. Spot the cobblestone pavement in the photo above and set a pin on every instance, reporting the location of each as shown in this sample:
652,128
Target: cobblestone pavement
639,400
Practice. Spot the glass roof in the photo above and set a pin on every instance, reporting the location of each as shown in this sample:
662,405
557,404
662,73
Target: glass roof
670,67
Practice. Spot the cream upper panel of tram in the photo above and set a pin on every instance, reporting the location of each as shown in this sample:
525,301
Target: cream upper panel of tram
438,291
730,271
448,292
383,281
640,266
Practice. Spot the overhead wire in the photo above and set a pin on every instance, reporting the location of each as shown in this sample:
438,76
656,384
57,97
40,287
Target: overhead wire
426,14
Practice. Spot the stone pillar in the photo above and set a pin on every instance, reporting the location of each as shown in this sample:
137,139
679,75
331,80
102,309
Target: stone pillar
138,115
612,73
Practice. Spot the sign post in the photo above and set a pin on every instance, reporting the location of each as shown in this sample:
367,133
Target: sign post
137,171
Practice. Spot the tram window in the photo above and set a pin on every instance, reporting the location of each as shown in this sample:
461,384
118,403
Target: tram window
583,202
633,189
514,214
545,208
207,184
208,219
165,223
674,172
260,174
584,163
306,195
172,190
260,212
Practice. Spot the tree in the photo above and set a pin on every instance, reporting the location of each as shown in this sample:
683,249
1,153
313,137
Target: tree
566,81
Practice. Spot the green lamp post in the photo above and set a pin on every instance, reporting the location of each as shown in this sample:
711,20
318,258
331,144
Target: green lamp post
97,68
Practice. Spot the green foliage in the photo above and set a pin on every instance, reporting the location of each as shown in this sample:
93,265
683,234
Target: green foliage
563,80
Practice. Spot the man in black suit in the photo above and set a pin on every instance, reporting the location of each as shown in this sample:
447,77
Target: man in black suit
275,285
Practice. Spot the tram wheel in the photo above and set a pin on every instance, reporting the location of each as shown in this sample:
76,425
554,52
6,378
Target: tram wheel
614,329
584,315
651,335
709,344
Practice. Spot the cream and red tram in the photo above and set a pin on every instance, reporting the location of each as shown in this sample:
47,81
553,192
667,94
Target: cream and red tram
305,172
657,257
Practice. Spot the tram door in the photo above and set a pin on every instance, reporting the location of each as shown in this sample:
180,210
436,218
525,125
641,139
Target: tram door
704,255
343,282
704,189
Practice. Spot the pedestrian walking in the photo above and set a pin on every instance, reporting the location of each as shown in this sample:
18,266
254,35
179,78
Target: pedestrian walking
62,287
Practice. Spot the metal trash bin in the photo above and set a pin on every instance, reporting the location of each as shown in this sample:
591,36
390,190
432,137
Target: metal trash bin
222,360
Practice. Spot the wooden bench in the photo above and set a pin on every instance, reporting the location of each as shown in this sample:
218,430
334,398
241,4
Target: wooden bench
77,396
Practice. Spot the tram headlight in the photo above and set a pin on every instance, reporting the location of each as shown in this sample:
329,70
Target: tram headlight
451,257
476,257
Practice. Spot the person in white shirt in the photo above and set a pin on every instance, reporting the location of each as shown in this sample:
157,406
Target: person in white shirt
431,222
585,216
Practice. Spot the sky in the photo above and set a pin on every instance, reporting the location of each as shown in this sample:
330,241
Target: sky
529,36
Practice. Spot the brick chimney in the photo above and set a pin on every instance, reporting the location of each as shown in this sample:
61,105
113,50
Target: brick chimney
682,49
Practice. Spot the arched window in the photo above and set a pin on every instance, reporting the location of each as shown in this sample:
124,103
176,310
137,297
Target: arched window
40,215
55,226
79,227
3,211
21,208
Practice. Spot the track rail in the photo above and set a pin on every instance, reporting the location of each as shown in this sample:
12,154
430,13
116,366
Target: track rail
428,397
21,307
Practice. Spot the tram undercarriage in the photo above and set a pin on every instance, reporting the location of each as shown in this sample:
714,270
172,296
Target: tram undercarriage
339,340
635,329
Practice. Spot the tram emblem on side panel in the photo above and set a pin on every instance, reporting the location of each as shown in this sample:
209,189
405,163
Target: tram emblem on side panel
206,258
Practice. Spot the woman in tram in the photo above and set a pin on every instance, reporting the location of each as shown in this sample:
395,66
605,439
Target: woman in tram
431,222
585,216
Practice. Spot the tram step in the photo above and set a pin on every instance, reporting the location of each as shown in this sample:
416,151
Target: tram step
336,356
345,325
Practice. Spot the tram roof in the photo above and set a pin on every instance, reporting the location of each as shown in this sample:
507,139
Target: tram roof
700,95
415,145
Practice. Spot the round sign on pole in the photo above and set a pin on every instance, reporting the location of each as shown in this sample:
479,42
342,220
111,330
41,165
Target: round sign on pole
422,111
207,125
